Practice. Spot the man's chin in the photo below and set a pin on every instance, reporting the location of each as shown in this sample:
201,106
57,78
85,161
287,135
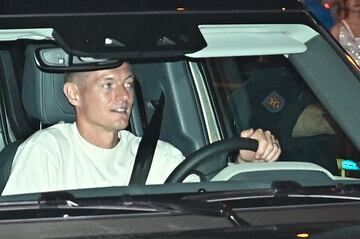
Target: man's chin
121,126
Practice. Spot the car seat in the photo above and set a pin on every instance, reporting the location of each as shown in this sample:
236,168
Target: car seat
43,99
273,98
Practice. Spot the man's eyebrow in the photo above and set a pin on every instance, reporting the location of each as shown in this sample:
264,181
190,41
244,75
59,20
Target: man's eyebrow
130,76
105,77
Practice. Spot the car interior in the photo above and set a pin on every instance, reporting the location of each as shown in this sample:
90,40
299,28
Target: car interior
274,92
256,86
45,104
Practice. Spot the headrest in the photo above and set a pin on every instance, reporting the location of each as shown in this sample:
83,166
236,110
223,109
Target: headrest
42,93
274,97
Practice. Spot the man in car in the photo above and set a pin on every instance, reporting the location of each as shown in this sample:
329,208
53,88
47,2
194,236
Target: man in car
96,150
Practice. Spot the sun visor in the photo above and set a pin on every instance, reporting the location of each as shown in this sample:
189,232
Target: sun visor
134,36
248,40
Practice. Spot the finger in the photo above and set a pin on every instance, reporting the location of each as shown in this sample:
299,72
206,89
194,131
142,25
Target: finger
277,152
246,133
276,157
270,157
259,135
271,144
275,147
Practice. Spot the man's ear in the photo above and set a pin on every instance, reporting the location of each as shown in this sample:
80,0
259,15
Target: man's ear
71,91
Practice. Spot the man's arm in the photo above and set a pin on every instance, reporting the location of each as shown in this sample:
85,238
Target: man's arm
34,170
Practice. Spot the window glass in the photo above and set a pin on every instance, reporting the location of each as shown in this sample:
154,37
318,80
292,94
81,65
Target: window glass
267,92
2,144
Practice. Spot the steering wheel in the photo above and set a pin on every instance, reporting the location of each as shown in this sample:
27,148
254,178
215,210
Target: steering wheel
194,159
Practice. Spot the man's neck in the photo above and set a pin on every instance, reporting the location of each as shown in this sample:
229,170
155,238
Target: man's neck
98,136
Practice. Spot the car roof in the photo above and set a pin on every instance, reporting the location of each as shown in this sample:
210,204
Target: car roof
171,27
34,7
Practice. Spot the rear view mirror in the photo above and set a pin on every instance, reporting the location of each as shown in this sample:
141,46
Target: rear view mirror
55,59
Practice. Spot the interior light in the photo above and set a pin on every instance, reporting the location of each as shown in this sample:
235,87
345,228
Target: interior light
302,235
180,9
108,41
283,8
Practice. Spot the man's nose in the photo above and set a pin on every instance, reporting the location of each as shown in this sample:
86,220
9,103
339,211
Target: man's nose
121,93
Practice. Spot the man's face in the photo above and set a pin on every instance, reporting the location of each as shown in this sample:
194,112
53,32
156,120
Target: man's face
106,98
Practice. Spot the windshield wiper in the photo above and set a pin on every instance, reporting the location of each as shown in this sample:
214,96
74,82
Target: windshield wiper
282,189
119,203
65,204
60,202
220,209
294,190
213,204
281,193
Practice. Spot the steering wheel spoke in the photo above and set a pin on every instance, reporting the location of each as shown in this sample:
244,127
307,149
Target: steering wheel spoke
213,153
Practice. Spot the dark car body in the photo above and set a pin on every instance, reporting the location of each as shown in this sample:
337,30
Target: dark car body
220,66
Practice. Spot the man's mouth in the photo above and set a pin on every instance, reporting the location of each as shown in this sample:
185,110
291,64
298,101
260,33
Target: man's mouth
119,110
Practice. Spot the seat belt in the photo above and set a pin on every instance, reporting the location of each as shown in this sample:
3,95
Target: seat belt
141,104
7,157
146,149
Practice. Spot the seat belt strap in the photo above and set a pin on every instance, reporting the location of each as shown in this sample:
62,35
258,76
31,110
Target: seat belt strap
146,149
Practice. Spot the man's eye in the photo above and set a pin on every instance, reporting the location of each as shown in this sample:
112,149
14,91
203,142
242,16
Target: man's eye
129,85
107,85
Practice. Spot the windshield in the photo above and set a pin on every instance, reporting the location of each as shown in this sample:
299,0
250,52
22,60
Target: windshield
123,121
176,119
96,127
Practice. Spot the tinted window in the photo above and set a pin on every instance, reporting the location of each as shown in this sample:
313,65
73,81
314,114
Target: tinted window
267,92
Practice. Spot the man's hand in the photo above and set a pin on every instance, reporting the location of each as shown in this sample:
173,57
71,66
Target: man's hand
268,151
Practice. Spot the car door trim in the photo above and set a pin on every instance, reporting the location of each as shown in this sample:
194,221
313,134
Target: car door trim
211,123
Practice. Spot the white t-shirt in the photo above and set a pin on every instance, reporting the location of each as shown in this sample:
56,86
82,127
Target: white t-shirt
58,158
